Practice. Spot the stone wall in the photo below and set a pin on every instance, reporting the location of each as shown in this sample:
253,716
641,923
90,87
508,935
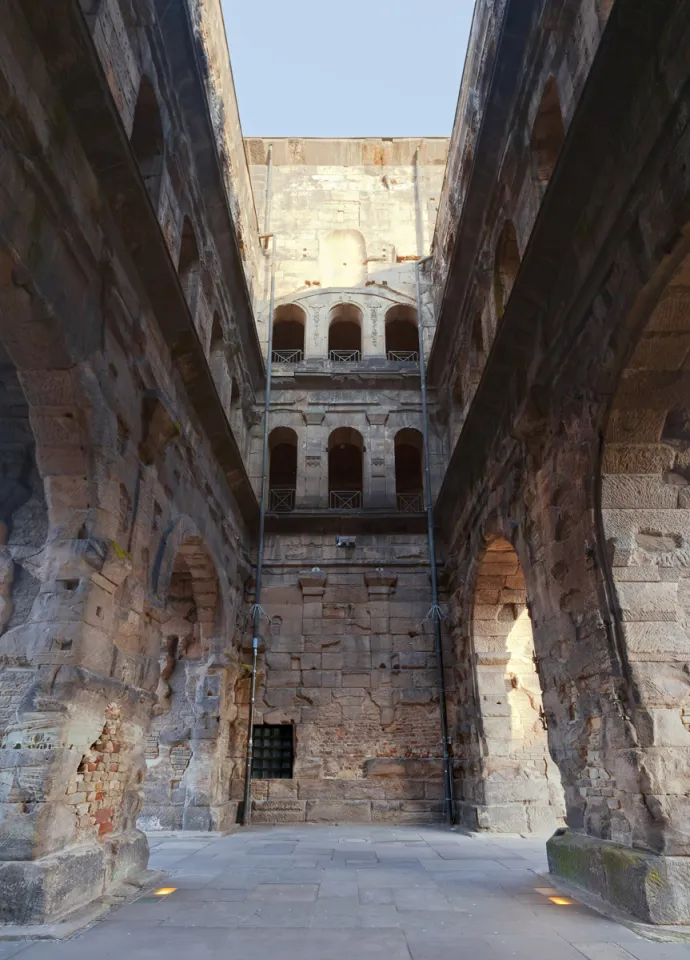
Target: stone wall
572,448
120,468
349,661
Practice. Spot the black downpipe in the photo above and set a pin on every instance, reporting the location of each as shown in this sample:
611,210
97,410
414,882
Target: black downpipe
257,612
435,611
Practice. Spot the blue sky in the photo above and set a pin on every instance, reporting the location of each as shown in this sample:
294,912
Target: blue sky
315,68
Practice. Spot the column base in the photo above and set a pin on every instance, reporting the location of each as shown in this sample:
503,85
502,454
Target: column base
508,817
46,890
653,888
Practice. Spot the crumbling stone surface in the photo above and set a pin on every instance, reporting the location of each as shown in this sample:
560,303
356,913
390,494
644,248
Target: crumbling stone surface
134,291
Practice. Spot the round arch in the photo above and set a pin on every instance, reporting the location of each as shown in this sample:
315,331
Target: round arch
516,786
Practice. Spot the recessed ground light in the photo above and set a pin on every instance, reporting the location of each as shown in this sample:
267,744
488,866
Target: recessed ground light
164,891
561,901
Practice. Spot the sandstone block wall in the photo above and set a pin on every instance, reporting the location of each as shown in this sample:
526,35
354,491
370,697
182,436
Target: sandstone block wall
349,661
123,474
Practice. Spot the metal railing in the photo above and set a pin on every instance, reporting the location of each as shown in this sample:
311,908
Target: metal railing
281,500
345,500
344,356
403,356
287,356
411,502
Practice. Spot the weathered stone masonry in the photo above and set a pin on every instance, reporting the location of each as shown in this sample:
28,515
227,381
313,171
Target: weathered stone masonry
133,314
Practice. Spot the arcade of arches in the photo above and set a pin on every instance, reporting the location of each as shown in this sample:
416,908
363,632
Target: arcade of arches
546,247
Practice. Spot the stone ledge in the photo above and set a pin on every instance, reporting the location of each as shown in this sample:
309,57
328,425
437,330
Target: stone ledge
652,888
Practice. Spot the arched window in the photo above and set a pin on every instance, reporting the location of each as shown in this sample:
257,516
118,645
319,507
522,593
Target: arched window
402,337
288,334
547,134
409,485
345,333
506,266
345,453
477,355
147,139
188,265
282,476
218,362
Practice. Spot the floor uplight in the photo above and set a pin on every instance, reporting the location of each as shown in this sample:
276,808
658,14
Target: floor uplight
561,901
164,891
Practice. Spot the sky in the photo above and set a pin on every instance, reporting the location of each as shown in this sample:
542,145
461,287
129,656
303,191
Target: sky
358,68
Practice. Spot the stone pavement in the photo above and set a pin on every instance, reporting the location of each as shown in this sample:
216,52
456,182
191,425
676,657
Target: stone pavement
351,893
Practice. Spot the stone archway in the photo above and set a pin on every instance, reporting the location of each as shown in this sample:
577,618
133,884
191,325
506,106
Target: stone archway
187,786
514,786
645,512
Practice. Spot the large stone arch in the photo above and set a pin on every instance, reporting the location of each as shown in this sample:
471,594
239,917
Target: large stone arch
188,777
508,781
645,514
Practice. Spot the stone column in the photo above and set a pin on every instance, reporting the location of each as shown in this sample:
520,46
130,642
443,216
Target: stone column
312,482
380,587
377,492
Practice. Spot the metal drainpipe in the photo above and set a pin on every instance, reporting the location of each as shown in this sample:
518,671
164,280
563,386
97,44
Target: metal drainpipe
267,210
435,610
256,619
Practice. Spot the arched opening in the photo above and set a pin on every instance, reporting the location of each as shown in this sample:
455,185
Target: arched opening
506,266
188,264
409,484
518,787
547,134
345,474
282,444
182,788
477,354
23,507
345,333
288,333
218,362
402,337
147,139
645,511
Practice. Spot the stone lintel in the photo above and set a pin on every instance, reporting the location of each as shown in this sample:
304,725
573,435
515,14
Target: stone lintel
648,886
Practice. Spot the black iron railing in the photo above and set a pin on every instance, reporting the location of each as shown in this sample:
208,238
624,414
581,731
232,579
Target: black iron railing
287,356
345,500
344,356
403,356
411,502
281,500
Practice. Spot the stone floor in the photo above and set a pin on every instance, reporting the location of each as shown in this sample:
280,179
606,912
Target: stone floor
350,893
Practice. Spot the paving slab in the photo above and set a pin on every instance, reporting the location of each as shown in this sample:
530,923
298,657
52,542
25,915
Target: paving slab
331,893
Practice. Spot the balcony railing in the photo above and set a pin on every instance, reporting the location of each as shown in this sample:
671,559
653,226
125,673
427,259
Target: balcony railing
287,356
411,502
403,356
344,356
281,500
345,500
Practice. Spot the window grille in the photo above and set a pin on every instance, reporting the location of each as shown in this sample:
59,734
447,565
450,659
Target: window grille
273,752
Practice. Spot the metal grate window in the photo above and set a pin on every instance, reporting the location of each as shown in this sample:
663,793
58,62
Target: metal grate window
273,752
